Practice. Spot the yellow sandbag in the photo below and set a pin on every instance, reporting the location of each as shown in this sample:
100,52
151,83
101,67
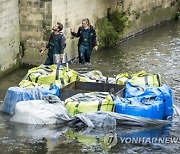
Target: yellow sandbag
144,78
29,84
89,102
42,74
121,79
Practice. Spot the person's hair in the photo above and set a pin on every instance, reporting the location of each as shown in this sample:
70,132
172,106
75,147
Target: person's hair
86,20
60,26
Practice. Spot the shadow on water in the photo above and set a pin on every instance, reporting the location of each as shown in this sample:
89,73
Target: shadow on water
157,51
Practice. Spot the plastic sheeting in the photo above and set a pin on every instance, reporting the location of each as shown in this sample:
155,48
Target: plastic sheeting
42,112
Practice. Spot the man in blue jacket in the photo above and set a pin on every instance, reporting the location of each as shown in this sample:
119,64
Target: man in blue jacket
55,45
87,41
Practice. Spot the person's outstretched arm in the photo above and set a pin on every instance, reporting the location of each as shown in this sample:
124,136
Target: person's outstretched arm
76,34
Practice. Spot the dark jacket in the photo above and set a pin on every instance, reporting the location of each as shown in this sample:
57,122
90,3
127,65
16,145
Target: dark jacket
92,36
56,43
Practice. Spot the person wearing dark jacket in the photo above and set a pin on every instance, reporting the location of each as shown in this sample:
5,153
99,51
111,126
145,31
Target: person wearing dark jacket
87,41
55,45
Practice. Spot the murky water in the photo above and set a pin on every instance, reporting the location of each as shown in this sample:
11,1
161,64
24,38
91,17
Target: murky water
157,51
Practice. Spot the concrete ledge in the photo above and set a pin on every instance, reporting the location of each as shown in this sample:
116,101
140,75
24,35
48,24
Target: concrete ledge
9,70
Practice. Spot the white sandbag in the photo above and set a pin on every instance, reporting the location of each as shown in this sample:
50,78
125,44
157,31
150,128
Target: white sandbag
39,112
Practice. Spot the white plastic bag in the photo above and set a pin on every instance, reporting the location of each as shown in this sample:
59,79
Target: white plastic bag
40,112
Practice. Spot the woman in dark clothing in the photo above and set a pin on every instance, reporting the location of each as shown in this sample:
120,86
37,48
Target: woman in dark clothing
87,41
55,45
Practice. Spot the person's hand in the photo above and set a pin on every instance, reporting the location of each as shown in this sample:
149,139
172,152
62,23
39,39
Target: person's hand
95,48
61,56
42,51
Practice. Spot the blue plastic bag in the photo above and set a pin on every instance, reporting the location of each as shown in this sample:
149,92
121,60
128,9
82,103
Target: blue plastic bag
16,94
163,92
138,106
54,90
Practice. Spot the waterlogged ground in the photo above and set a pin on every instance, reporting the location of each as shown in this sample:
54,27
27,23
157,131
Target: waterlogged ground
157,51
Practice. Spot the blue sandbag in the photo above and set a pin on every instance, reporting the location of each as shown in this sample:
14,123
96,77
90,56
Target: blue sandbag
132,106
164,92
16,94
137,91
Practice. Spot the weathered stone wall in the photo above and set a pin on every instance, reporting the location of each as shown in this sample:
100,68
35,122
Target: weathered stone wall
148,13
9,34
35,28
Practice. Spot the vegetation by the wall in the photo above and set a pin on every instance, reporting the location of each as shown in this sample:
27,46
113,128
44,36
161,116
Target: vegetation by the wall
110,30
177,15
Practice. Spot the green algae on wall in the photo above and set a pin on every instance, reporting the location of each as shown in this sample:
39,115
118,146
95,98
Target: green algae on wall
147,20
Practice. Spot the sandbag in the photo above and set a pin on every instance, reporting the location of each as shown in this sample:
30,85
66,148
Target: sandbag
48,75
163,92
121,79
46,89
88,102
96,75
145,79
28,84
153,109
42,75
16,94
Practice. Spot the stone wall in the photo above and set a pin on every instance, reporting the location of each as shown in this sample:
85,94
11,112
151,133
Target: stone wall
35,28
146,14
9,35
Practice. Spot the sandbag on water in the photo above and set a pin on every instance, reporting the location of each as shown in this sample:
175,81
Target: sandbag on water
143,78
46,89
137,107
88,102
163,92
121,79
40,112
16,94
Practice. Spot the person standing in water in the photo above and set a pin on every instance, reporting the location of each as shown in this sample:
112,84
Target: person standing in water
55,45
87,41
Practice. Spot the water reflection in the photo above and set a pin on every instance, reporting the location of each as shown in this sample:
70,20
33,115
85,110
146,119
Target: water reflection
55,137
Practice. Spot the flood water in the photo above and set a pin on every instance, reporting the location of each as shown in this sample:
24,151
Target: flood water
156,51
